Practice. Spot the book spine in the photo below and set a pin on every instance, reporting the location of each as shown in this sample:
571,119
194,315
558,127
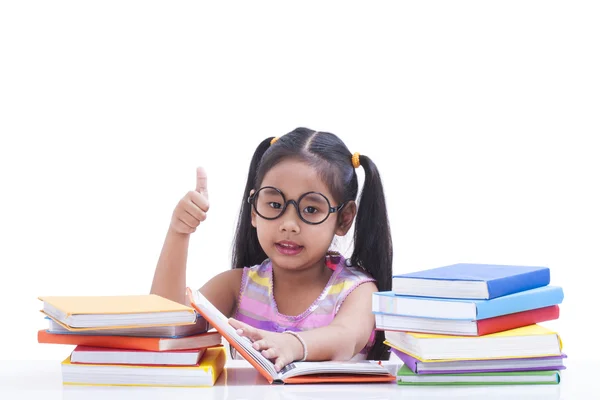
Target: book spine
518,283
409,361
517,302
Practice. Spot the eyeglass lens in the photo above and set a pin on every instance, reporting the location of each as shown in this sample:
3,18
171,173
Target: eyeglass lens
312,208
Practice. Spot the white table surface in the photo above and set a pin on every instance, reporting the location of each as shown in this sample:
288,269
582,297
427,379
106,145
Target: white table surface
42,380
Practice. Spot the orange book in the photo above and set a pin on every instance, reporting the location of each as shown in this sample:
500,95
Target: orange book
103,312
295,372
208,339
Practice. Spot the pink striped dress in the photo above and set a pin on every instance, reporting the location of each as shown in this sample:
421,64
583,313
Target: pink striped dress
257,307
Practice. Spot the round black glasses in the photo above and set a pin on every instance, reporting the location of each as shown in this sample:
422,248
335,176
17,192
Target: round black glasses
313,207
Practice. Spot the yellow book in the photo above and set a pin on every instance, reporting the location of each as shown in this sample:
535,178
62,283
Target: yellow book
205,373
103,312
528,341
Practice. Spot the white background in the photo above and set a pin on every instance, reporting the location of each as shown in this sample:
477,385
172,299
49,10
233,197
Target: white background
481,117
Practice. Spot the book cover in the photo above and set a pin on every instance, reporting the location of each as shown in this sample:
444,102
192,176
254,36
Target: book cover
97,312
295,372
407,377
468,280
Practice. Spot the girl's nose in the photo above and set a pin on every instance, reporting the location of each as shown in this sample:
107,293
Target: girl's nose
289,221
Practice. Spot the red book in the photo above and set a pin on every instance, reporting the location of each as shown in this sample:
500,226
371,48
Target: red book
388,322
516,320
208,339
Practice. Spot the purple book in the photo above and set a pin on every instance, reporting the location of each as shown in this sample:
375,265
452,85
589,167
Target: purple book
472,366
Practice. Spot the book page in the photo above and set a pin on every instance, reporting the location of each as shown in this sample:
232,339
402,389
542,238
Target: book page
221,323
334,367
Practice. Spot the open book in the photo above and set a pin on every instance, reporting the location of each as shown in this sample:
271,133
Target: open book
295,372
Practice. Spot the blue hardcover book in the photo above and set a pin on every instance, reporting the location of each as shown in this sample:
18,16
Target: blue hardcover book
466,309
471,281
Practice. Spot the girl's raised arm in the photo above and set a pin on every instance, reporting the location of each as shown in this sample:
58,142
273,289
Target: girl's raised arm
169,276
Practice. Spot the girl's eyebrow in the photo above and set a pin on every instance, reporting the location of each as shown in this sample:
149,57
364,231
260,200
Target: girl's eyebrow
311,196
271,190
314,196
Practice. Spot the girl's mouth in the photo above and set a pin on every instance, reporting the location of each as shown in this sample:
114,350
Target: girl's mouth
288,248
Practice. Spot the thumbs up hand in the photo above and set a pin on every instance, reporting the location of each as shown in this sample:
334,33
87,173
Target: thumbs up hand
192,208
201,182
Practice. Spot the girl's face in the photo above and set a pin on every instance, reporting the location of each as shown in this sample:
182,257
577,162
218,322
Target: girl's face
288,241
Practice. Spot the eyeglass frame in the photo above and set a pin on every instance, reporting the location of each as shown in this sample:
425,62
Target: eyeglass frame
331,209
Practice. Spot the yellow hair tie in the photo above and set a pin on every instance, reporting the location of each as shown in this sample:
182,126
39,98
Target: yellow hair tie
274,140
356,160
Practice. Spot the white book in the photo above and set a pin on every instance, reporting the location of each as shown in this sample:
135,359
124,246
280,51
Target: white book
205,373
387,322
527,341
162,331
106,355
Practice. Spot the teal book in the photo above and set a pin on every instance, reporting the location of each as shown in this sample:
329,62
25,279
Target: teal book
466,309
406,377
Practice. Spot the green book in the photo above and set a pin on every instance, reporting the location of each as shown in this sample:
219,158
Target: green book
406,377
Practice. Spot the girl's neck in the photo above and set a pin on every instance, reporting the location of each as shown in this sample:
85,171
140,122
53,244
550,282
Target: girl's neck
289,280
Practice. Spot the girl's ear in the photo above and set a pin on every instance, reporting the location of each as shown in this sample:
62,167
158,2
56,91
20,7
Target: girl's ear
252,212
346,218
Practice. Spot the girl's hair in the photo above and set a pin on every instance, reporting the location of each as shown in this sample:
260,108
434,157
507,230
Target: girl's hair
332,160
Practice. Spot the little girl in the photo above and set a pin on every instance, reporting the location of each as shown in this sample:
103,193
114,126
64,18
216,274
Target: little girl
286,291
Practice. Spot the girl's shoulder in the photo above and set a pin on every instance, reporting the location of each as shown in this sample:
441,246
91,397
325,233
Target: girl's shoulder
345,271
221,290
261,270
256,275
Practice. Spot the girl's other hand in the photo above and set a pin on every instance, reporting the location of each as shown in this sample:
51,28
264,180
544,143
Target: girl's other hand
192,208
280,348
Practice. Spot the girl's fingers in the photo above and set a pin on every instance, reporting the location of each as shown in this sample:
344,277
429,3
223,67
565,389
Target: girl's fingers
188,219
246,330
270,353
260,344
199,200
194,211
280,362
236,324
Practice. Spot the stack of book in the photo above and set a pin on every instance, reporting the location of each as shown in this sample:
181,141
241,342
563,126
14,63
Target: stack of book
137,340
473,324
